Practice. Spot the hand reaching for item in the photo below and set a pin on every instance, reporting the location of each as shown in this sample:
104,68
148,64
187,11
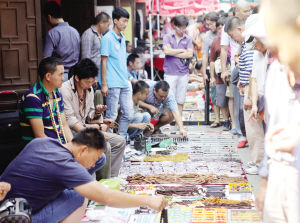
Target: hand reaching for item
157,203
4,189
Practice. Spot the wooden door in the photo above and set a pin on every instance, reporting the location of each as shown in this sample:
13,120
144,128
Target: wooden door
79,13
20,43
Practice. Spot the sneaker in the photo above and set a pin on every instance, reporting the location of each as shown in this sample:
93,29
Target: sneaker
227,125
233,131
250,164
252,170
242,144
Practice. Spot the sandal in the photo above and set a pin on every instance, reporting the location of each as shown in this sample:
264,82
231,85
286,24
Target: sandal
215,125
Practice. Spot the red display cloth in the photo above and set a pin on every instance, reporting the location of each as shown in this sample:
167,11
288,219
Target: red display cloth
158,63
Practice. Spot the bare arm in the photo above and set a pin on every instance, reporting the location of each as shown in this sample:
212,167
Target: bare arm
178,120
97,192
187,54
67,130
4,189
223,57
212,73
204,66
168,50
104,88
77,127
151,108
141,126
254,108
37,126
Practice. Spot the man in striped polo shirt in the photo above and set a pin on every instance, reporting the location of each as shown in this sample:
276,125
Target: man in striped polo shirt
42,108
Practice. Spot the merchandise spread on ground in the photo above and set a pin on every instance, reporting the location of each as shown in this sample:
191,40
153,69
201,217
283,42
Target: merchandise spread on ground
202,177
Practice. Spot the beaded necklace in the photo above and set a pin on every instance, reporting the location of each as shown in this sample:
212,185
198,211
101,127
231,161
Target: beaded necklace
82,102
61,129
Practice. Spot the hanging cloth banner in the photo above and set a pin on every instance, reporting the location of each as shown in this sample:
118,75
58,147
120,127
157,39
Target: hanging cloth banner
179,7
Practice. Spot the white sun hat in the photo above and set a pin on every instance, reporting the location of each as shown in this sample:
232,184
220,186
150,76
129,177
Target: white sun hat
255,27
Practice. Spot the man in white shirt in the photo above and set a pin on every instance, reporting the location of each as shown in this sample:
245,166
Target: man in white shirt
279,193
243,11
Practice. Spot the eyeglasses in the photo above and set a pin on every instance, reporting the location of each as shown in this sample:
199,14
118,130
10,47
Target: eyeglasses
181,29
210,24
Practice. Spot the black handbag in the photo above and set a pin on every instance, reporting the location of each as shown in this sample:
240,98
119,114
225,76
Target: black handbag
10,130
140,143
186,61
15,210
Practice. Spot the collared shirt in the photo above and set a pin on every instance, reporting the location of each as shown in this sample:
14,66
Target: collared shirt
74,113
90,45
35,105
245,63
114,47
172,64
63,41
131,76
169,103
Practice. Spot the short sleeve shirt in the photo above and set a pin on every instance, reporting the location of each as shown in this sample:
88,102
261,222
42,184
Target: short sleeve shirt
214,54
226,40
114,47
215,50
132,76
245,64
63,41
169,103
43,170
35,104
207,41
172,64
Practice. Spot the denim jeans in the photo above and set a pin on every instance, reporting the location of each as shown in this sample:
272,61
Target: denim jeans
122,96
65,204
138,118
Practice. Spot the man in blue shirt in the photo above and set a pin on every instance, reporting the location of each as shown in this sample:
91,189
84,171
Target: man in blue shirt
62,41
162,102
133,63
114,77
56,179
